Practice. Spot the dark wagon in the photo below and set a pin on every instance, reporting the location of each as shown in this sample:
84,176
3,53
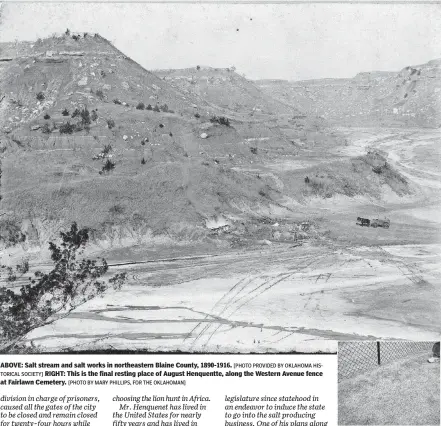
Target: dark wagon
363,221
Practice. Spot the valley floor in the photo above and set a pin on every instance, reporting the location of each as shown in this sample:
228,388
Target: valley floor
274,300
360,283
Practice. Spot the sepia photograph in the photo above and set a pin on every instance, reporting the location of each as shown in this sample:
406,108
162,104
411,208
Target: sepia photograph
219,178
388,383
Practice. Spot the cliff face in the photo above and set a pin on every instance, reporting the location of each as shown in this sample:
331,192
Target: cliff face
410,97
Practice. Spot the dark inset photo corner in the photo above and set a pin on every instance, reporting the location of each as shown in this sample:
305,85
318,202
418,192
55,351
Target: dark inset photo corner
388,383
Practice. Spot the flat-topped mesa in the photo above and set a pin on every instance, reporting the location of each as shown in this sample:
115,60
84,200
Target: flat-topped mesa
73,44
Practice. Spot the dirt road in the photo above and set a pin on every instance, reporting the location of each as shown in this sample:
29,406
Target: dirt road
277,299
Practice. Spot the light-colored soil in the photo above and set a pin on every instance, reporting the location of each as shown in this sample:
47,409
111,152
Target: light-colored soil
276,299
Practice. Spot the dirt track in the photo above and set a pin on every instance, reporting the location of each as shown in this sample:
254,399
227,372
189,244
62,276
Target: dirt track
273,300
282,297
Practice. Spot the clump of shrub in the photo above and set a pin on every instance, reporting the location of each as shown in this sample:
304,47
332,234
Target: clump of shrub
161,125
76,113
197,115
107,149
156,108
65,112
103,74
40,96
94,115
46,129
117,102
67,128
220,120
253,150
116,209
164,108
149,107
140,106
47,116
143,160
100,94
110,123
107,167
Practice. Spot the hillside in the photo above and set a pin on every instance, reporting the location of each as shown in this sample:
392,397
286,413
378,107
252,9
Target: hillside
88,135
411,97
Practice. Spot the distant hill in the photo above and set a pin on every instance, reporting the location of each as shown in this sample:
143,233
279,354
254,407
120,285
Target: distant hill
225,88
411,96
273,121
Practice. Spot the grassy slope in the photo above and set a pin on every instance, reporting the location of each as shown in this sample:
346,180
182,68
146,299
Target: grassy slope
364,175
403,393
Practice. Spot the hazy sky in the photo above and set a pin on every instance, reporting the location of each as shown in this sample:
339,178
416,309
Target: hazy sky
297,41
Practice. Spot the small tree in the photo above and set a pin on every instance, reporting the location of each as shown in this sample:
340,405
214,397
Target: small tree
47,116
149,107
117,102
108,166
156,108
94,115
140,106
85,117
110,123
67,128
51,296
65,112
143,160
76,113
